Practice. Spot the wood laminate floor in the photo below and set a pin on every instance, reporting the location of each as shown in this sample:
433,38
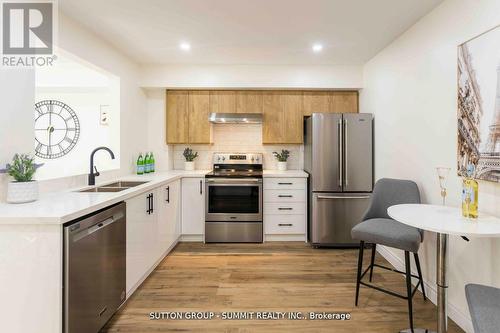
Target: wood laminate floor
277,276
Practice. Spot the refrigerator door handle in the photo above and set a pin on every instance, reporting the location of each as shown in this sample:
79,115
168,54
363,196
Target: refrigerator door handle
341,151
343,197
346,178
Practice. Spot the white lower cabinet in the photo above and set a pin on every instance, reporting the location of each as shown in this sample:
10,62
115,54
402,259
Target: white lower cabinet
284,224
141,237
168,199
153,226
193,206
285,206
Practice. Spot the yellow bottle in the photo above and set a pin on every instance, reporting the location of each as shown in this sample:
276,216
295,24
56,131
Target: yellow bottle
470,189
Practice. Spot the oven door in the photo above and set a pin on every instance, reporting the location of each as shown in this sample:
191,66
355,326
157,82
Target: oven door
233,199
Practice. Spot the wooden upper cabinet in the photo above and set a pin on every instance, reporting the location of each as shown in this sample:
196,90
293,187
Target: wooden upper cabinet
318,101
345,101
283,111
200,129
222,101
293,109
177,116
283,117
249,101
330,102
273,118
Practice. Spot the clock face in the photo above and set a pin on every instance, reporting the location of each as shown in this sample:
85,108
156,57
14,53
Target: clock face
57,129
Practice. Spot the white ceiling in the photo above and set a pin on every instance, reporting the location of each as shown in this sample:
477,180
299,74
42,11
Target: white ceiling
248,31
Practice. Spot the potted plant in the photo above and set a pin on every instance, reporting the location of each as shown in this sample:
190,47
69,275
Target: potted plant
282,158
189,155
23,188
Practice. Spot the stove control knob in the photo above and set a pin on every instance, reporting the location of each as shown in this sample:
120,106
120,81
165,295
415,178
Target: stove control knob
256,159
223,158
252,159
218,158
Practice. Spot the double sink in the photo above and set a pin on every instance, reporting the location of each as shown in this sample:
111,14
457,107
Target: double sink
114,187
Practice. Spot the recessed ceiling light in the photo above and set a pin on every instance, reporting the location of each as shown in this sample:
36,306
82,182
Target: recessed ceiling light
317,48
185,46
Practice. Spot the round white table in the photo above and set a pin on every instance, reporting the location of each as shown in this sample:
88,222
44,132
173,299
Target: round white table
444,221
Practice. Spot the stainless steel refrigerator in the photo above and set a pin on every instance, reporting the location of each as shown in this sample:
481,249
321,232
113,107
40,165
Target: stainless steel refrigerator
338,155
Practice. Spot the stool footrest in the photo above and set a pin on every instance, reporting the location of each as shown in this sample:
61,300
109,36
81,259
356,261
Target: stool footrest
369,285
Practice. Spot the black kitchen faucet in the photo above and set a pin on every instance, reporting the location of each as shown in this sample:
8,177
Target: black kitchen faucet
93,174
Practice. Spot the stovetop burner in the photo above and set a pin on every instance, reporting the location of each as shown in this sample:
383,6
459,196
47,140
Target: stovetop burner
235,173
236,165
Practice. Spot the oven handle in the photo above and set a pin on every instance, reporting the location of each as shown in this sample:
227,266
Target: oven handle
233,180
259,185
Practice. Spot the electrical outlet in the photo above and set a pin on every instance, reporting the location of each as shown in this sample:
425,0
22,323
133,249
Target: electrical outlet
104,115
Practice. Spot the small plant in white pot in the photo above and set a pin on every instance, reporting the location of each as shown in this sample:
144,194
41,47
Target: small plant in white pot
190,156
282,158
23,188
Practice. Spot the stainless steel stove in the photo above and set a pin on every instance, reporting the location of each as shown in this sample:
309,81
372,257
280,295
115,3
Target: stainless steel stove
233,208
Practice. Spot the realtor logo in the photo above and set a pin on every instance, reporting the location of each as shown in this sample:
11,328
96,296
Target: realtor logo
27,28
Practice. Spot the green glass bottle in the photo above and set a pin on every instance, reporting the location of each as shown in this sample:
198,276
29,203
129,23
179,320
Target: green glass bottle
140,165
152,162
146,163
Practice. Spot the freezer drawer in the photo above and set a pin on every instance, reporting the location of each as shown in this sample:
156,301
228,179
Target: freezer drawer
233,232
333,216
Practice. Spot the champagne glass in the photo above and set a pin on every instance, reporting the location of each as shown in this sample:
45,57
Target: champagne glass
443,175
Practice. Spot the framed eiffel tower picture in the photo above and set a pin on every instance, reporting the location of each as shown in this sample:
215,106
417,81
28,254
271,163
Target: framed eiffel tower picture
479,105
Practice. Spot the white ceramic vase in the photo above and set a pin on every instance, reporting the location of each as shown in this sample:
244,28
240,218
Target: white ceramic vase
189,166
22,192
282,166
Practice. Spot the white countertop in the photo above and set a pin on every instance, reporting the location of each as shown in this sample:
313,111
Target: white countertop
57,208
62,207
445,220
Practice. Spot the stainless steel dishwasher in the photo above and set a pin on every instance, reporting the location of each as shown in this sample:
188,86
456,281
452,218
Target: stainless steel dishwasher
94,269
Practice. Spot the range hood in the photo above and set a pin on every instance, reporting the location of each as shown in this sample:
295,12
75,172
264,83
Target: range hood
235,118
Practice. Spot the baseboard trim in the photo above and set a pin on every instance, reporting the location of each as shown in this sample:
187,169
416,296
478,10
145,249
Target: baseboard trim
454,313
267,238
284,238
191,238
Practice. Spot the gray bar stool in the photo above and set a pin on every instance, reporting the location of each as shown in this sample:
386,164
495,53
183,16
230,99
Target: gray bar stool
484,307
378,228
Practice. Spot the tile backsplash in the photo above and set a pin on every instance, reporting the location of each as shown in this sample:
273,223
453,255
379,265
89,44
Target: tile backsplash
239,138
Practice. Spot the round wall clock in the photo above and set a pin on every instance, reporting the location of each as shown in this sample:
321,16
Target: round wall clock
57,129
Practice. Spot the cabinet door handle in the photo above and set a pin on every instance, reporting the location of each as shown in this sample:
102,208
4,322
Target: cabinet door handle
152,203
285,224
285,208
149,204
201,187
168,194
285,183
285,196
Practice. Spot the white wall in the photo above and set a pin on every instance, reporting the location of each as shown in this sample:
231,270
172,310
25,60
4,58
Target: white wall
239,138
20,92
156,134
17,95
252,76
157,78
80,42
411,87
86,90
